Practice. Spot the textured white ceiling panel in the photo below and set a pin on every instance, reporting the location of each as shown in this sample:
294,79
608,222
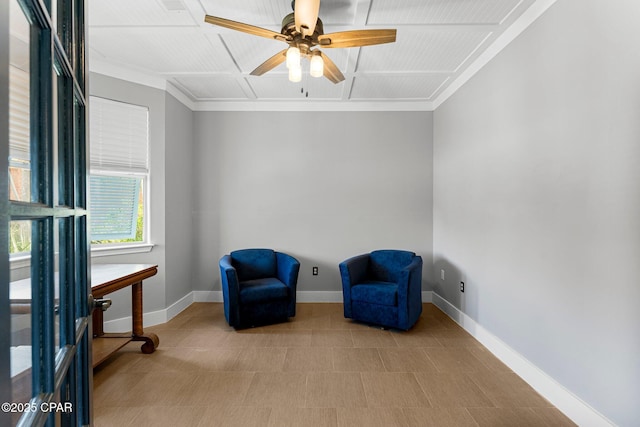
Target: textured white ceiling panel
338,56
212,87
428,50
397,87
170,50
440,11
337,12
278,87
250,51
271,12
138,12
437,43
254,12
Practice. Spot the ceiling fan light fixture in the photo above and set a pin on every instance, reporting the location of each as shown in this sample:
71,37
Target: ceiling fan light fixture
316,68
295,74
293,57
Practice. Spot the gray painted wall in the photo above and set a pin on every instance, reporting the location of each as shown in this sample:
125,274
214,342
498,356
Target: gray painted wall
171,182
179,179
536,200
320,186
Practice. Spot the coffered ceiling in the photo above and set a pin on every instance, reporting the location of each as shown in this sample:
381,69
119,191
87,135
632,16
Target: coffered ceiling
167,43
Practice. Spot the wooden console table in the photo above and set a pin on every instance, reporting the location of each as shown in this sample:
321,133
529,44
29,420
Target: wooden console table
105,279
108,278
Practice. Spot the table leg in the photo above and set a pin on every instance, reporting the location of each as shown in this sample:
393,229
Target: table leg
151,340
98,325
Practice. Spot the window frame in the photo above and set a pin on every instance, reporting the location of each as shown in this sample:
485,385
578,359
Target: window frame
122,248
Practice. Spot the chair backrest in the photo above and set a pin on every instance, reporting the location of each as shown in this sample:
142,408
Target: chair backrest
254,263
386,264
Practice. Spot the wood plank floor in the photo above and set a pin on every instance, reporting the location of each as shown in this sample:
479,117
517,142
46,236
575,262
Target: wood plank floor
319,369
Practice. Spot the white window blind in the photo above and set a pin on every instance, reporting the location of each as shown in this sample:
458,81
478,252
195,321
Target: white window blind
18,114
119,136
119,146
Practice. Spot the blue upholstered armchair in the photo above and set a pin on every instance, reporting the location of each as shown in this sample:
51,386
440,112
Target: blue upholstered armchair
258,287
383,288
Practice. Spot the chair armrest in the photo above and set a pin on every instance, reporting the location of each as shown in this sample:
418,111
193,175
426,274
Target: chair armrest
354,270
230,290
410,289
287,269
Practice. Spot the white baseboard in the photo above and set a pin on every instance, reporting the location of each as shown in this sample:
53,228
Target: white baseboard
163,316
302,296
569,404
318,296
151,318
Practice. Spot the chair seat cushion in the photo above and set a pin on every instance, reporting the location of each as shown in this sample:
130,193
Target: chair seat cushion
259,290
374,292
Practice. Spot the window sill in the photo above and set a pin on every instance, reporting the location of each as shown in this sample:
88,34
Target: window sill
121,250
17,262
24,261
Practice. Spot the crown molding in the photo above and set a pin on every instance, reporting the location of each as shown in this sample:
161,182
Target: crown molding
315,105
160,82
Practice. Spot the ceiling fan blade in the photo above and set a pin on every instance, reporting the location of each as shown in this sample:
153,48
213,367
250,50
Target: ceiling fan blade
306,15
270,63
245,28
357,38
331,70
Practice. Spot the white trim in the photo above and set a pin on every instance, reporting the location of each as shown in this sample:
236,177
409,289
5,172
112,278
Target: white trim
180,96
571,405
20,261
152,318
315,105
510,34
301,296
103,250
179,306
163,316
318,296
124,323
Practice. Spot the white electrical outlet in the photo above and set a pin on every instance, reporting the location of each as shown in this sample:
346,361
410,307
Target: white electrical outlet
442,274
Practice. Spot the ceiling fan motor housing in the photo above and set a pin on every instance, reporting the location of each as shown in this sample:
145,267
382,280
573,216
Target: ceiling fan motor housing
289,28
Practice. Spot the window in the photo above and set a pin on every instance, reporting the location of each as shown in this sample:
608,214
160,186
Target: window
119,172
19,129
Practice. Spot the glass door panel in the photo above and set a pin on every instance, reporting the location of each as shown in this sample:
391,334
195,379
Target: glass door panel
65,149
19,105
20,328
44,212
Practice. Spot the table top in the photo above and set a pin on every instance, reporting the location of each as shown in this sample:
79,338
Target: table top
105,278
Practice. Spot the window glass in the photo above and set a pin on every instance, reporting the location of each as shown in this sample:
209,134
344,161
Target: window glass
19,106
21,307
117,206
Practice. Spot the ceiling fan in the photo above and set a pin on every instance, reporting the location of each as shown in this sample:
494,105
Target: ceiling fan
302,30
